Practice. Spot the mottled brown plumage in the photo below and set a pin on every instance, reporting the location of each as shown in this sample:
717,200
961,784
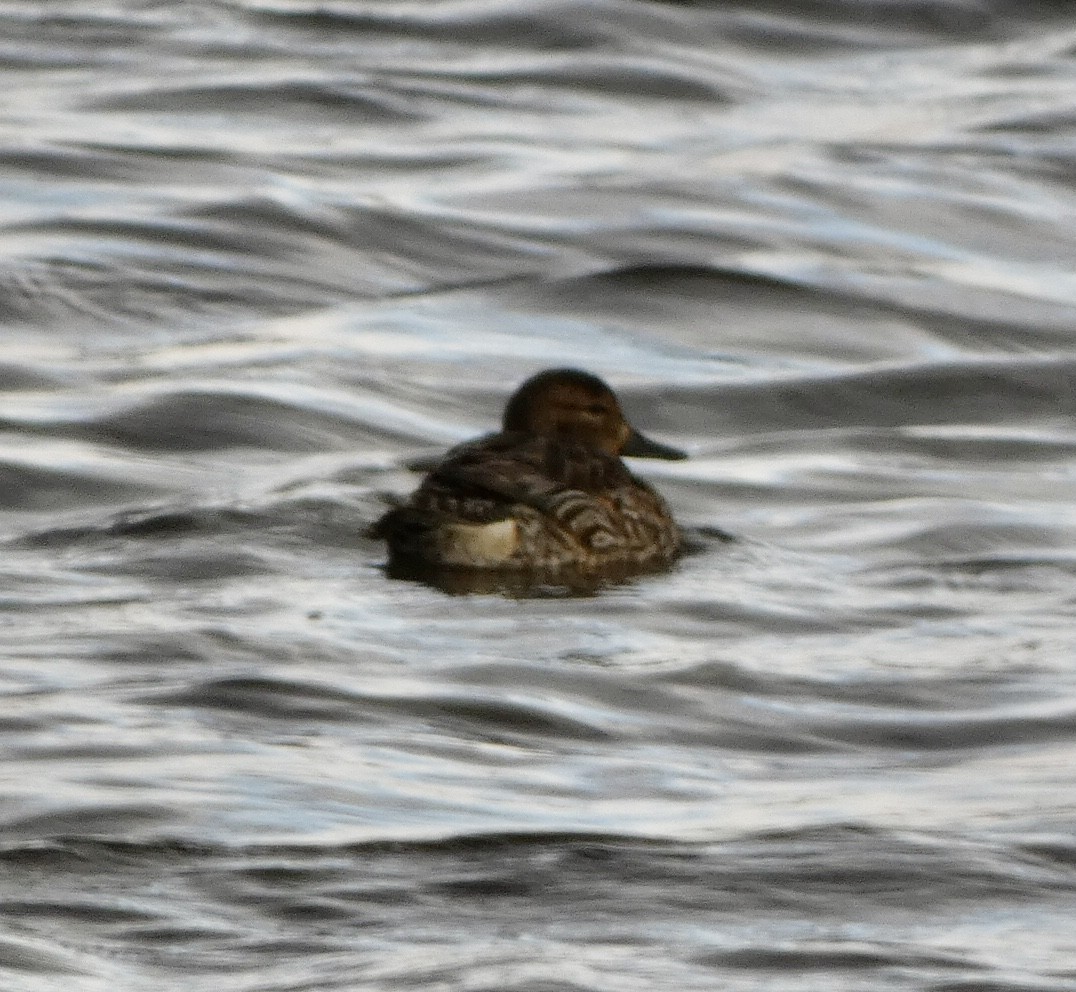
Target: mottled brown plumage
549,492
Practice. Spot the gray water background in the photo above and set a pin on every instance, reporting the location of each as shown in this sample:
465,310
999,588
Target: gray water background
258,257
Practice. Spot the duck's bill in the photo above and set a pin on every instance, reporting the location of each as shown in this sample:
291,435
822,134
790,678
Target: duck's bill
639,446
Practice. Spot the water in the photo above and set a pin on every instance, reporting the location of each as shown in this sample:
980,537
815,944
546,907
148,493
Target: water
258,258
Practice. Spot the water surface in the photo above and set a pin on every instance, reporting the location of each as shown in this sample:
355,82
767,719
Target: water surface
258,259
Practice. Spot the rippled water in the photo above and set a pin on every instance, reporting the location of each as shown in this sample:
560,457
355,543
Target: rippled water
258,258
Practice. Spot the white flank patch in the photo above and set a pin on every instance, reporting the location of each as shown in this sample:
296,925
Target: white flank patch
478,544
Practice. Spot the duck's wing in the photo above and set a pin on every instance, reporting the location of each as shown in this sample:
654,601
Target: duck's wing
481,481
477,483
505,469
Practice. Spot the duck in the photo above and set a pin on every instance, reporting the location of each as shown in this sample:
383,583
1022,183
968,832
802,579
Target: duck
548,493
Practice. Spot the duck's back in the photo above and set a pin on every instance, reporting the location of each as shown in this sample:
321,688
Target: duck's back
525,502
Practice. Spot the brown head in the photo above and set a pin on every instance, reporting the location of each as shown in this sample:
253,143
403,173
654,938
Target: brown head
577,405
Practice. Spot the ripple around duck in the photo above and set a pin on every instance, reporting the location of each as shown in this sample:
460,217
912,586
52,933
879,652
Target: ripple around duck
545,25
490,717
886,868
27,955
207,420
265,697
973,392
328,100
1000,728
840,899
27,487
85,820
15,377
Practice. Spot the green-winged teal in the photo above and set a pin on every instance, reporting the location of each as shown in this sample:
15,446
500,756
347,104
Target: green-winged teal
546,494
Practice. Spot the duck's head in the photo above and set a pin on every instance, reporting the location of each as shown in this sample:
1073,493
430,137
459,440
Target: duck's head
578,405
